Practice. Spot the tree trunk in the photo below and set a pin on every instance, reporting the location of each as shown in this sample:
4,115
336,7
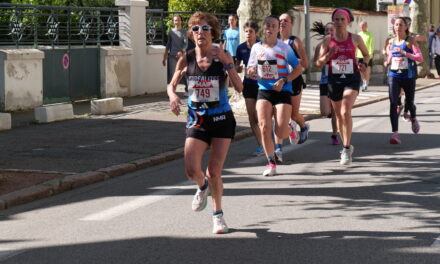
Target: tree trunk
253,10
419,25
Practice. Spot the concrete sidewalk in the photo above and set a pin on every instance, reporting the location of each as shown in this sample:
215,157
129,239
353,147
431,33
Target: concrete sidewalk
95,148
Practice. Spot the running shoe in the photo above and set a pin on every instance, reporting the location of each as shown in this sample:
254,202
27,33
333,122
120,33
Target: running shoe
395,140
258,152
406,117
220,226
200,200
335,140
279,155
271,170
304,134
415,126
346,155
294,135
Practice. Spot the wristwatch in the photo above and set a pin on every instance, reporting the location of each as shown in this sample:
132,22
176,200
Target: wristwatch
228,67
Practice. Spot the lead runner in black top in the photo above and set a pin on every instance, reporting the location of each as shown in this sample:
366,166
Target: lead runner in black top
206,66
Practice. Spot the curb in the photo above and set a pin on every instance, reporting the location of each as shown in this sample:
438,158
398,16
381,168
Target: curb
70,182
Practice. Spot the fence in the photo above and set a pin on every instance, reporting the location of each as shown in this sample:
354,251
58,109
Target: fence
36,25
160,21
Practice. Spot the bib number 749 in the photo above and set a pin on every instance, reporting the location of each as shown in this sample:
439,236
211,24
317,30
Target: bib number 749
203,93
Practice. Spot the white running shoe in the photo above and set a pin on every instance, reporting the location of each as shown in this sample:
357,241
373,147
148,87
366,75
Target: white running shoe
279,155
294,135
200,200
220,226
271,170
346,155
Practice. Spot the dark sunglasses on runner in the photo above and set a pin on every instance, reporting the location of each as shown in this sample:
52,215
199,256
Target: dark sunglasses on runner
205,28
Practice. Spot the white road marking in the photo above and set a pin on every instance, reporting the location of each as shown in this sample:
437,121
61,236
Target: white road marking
436,243
98,144
124,208
6,253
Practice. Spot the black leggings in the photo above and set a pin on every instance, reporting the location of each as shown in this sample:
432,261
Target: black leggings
394,86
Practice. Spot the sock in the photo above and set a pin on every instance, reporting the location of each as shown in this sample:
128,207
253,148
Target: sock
347,147
271,159
204,186
217,212
279,146
333,136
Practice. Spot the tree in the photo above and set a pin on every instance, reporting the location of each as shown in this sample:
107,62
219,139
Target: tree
212,6
419,26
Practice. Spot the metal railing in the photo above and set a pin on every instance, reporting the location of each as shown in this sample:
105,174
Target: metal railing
36,25
159,22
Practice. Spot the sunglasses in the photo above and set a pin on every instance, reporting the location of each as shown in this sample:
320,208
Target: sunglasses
204,28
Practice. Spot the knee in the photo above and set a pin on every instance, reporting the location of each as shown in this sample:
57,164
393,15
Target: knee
213,173
192,172
346,114
264,127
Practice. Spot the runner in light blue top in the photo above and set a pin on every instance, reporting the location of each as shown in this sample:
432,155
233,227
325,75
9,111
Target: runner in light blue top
232,35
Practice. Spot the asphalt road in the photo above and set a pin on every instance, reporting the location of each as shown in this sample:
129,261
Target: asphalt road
384,208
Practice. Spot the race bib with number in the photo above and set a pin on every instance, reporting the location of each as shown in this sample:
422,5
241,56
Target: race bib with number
204,90
399,63
267,69
341,66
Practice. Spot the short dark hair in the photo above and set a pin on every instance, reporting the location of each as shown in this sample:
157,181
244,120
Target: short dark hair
252,25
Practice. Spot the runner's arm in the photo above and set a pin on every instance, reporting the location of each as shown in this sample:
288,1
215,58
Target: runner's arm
171,88
417,56
324,53
299,47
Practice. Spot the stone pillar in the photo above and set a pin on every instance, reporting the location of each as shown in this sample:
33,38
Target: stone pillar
115,71
21,79
132,34
253,10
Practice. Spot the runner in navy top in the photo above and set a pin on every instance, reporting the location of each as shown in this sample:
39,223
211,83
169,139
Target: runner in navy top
324,101
211,122
403,54
250,87
286,24
344,78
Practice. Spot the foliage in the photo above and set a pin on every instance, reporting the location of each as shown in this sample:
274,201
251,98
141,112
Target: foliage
211,6
281,6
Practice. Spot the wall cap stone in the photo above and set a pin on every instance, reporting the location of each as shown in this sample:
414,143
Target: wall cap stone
132,3
21,54
155,49
115,51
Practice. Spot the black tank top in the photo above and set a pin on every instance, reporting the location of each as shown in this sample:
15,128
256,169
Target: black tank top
204,83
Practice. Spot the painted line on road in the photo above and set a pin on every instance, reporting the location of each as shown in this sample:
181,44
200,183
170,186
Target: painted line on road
139,202
7,253
286,149
436,243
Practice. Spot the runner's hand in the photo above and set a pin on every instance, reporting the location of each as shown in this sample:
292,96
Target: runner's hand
175,104
252,73
278,85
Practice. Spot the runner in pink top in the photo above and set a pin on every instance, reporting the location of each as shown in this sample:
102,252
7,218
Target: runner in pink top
344,78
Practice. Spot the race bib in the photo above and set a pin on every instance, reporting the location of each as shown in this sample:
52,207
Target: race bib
204,90
267,69
399,63
340,66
